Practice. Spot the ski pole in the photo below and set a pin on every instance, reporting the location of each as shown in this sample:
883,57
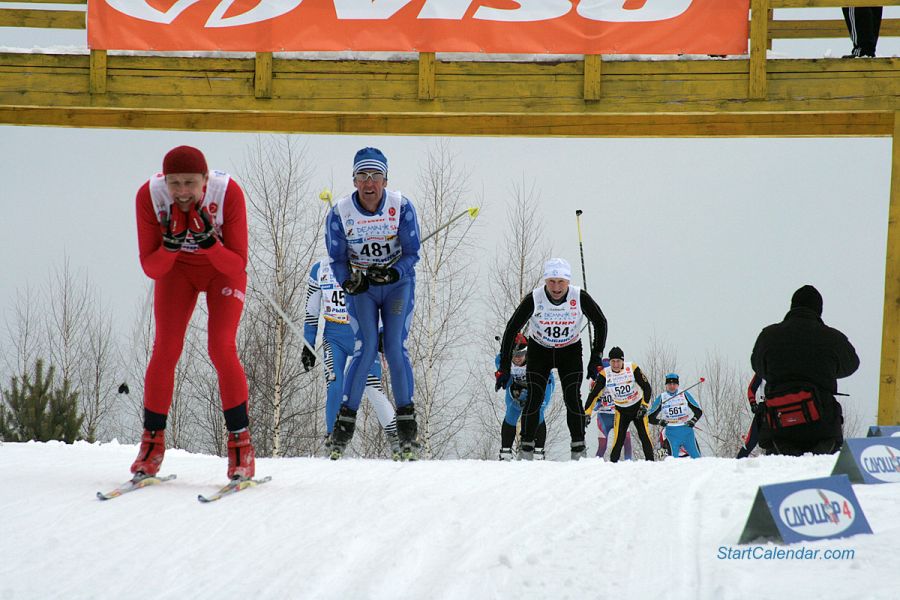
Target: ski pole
298,333
702,380
584,275
472,212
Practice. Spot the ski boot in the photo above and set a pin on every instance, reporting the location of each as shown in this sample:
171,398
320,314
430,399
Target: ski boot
539,454
394,442
150,455
407,429
344,427
241,455
578,450
506,454
526,451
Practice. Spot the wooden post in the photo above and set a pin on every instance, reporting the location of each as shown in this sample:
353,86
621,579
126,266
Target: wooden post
593,64
98,72
889,391
770,16
426,76
759,36
262,80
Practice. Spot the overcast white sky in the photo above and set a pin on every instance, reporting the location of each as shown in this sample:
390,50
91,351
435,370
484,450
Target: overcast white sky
699,242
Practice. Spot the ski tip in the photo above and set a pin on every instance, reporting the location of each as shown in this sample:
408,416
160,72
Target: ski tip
102,496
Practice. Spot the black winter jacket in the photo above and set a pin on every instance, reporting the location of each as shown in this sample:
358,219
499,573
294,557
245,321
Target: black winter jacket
802,349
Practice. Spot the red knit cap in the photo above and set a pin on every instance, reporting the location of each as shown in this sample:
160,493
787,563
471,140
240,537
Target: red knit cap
184,159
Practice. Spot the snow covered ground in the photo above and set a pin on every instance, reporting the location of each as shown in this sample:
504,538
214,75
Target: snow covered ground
360,529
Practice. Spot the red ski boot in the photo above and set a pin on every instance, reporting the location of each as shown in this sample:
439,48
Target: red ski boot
150,456
241,456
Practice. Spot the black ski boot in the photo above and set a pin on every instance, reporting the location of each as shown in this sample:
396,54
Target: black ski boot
407,430
526,451
578,450
343,432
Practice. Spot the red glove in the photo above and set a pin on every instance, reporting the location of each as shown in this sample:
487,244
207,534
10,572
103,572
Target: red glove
174,230
201,229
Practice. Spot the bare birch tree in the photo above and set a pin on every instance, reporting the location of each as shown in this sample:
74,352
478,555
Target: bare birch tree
444,304
726,414
515,271
285,233
23,333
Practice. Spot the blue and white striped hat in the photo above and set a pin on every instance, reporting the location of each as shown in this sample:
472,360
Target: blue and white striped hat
369,159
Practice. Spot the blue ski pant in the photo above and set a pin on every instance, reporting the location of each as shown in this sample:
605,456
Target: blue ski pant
514,409
394,303
682,436
338,347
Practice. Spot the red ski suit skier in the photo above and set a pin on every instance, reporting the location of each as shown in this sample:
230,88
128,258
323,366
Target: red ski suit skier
220,271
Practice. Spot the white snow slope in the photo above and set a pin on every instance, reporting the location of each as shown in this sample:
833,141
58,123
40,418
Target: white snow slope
360,529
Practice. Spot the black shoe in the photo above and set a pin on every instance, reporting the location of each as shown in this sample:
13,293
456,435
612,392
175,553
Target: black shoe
526,451
407,429
344,427
578,450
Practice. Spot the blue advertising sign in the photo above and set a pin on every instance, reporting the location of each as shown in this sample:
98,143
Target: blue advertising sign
884,431
803,511
870,460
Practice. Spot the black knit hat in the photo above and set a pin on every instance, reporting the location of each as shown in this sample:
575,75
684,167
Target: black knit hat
616,352
807,297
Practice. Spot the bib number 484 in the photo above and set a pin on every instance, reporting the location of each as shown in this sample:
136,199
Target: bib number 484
556,332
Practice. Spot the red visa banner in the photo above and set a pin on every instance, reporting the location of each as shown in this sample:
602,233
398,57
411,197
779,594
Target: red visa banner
488,26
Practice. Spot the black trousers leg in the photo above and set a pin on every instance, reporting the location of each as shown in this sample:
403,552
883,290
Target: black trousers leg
570,367
537,373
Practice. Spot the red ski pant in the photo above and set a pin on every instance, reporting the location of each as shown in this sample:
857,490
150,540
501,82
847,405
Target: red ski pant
174,298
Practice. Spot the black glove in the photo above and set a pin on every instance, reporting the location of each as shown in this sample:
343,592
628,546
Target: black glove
357,284
201,229
587,421
692,422
519,395
502,378
308,359
755,408
641,413
123,389
662,422
379,275
174,230
593,368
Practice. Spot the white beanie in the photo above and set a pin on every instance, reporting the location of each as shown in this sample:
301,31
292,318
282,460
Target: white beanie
557,268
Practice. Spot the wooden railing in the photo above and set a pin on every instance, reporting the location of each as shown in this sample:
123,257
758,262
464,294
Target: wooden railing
763,29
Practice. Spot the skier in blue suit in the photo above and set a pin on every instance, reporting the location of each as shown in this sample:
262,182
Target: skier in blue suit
372,237
325,297
678,412
517,398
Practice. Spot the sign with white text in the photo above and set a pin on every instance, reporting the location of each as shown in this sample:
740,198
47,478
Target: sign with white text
884,431
482,26
802,511
870,460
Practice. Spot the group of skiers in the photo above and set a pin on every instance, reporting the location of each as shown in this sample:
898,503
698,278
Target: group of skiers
193,237
620,393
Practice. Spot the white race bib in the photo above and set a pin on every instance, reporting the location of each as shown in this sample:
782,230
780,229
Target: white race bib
372,239
556,326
